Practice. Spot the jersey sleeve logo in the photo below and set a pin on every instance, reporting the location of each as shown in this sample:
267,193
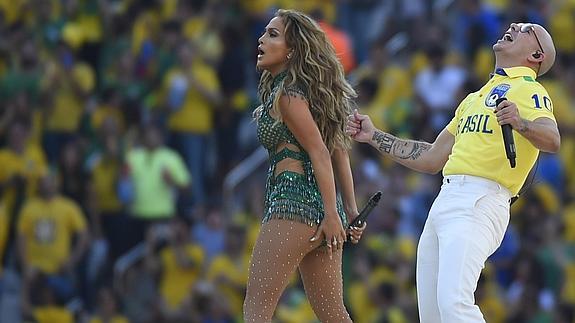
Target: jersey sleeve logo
497,92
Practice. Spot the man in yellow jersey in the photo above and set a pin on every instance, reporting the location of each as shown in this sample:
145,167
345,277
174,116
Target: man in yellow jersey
470,215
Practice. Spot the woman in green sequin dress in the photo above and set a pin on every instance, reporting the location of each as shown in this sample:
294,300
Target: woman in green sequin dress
305,102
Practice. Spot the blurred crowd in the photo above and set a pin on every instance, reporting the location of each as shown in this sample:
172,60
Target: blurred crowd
120,120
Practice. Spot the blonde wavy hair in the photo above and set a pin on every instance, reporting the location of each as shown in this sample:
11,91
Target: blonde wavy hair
315,68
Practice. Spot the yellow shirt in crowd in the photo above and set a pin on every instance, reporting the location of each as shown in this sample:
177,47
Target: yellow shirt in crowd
105,112
31,165
85,28
360,301
386,108
197,113
177,282
104,179
47,229
68,106
236,273
479,148
53,314
115,319
12,10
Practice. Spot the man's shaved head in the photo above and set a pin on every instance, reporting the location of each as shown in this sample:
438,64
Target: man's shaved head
548,47
525,44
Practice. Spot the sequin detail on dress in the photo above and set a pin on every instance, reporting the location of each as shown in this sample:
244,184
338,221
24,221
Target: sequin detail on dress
289,194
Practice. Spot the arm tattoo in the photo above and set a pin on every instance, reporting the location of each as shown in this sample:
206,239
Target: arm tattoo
524,127
400,148
405,149
384,141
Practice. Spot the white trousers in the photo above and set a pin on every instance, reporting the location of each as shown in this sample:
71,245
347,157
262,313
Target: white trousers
465,226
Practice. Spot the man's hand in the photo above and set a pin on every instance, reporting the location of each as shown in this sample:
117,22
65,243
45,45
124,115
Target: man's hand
359,127
507,113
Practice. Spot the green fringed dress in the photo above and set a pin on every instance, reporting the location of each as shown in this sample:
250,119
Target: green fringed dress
289,195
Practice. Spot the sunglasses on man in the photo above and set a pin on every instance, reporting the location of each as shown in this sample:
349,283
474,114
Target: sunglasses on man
526,28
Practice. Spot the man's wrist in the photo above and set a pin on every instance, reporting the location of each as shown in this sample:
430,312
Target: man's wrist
523,126
372,138
382,141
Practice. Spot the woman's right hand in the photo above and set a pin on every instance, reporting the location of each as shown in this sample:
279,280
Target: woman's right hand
333,232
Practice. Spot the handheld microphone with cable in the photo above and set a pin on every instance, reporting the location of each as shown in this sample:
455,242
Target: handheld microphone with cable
508,140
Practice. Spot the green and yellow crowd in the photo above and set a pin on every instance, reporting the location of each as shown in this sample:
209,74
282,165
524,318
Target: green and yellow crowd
120,120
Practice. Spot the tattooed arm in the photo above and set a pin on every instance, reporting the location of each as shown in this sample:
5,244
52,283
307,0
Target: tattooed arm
417,155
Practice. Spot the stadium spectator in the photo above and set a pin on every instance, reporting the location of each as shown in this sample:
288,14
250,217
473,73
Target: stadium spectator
52,238
155,174
179,264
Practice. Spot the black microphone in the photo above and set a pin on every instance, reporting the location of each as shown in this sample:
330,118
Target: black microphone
508,140
371,203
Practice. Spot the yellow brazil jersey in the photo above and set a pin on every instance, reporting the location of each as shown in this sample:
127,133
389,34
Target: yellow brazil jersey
51,314
85,28
105,112
257,8
196,113
31,165
235,273
12,10
177,281
68,106
360,304
145,25
104,178
387,107
561,26
479,148
326,7
47,228
198,30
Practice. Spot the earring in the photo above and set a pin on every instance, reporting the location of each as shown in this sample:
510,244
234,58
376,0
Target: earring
289,55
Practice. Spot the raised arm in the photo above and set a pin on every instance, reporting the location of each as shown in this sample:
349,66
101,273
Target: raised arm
297,116
418,155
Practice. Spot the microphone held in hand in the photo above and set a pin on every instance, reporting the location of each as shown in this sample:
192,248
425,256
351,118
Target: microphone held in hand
360,219
508,140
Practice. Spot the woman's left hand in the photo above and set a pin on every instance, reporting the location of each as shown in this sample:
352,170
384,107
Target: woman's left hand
355,233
